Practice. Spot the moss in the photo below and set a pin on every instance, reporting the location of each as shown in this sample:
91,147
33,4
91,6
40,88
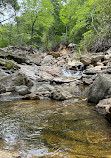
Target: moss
9,65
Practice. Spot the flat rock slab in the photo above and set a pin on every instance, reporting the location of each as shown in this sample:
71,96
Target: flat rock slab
62,80
40,73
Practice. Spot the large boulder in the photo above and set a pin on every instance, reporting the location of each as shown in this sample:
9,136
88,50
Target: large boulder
92,58
2,86
13,80
12,56
100,89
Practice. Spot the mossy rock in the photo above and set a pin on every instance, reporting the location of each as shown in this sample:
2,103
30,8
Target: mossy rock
12,56
8,64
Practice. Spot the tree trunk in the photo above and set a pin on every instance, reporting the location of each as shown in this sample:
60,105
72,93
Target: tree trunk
32,30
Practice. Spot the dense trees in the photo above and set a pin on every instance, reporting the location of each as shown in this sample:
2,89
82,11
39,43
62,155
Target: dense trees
46,23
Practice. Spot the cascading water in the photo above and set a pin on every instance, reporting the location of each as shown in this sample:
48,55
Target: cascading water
70,73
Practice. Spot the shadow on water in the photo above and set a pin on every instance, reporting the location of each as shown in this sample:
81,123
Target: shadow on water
71,129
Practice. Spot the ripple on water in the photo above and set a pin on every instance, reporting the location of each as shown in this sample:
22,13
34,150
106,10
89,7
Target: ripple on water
70,129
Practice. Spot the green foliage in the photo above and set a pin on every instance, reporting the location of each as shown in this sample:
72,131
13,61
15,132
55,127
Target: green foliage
47,23
89,40
64,39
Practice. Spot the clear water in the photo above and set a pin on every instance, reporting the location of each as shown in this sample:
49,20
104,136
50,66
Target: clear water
68,129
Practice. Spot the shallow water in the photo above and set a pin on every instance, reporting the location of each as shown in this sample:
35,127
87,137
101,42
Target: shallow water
68,129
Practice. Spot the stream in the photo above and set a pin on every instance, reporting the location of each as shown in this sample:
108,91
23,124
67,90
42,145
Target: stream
48,128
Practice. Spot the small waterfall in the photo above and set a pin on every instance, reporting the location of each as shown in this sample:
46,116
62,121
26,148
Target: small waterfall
70,73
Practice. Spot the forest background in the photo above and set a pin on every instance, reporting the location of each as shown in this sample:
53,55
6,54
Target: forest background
44,24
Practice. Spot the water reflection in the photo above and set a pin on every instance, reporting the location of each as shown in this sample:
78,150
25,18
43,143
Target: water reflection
64,129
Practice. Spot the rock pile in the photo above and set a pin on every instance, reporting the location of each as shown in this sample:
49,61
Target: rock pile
36,75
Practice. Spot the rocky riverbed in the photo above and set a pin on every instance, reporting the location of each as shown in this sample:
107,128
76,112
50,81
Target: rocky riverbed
57,75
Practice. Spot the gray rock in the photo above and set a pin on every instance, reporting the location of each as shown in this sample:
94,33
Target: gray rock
22,90
34,58
45,87
97,57
2,88
60,94
104,107
94,70
75,65
3,74
49,60
87,81
100,88
91,58
60,80
13,80
85,60
12,56
109,51
5,94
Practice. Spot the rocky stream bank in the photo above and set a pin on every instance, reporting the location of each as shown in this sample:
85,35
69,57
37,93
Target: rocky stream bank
57,75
